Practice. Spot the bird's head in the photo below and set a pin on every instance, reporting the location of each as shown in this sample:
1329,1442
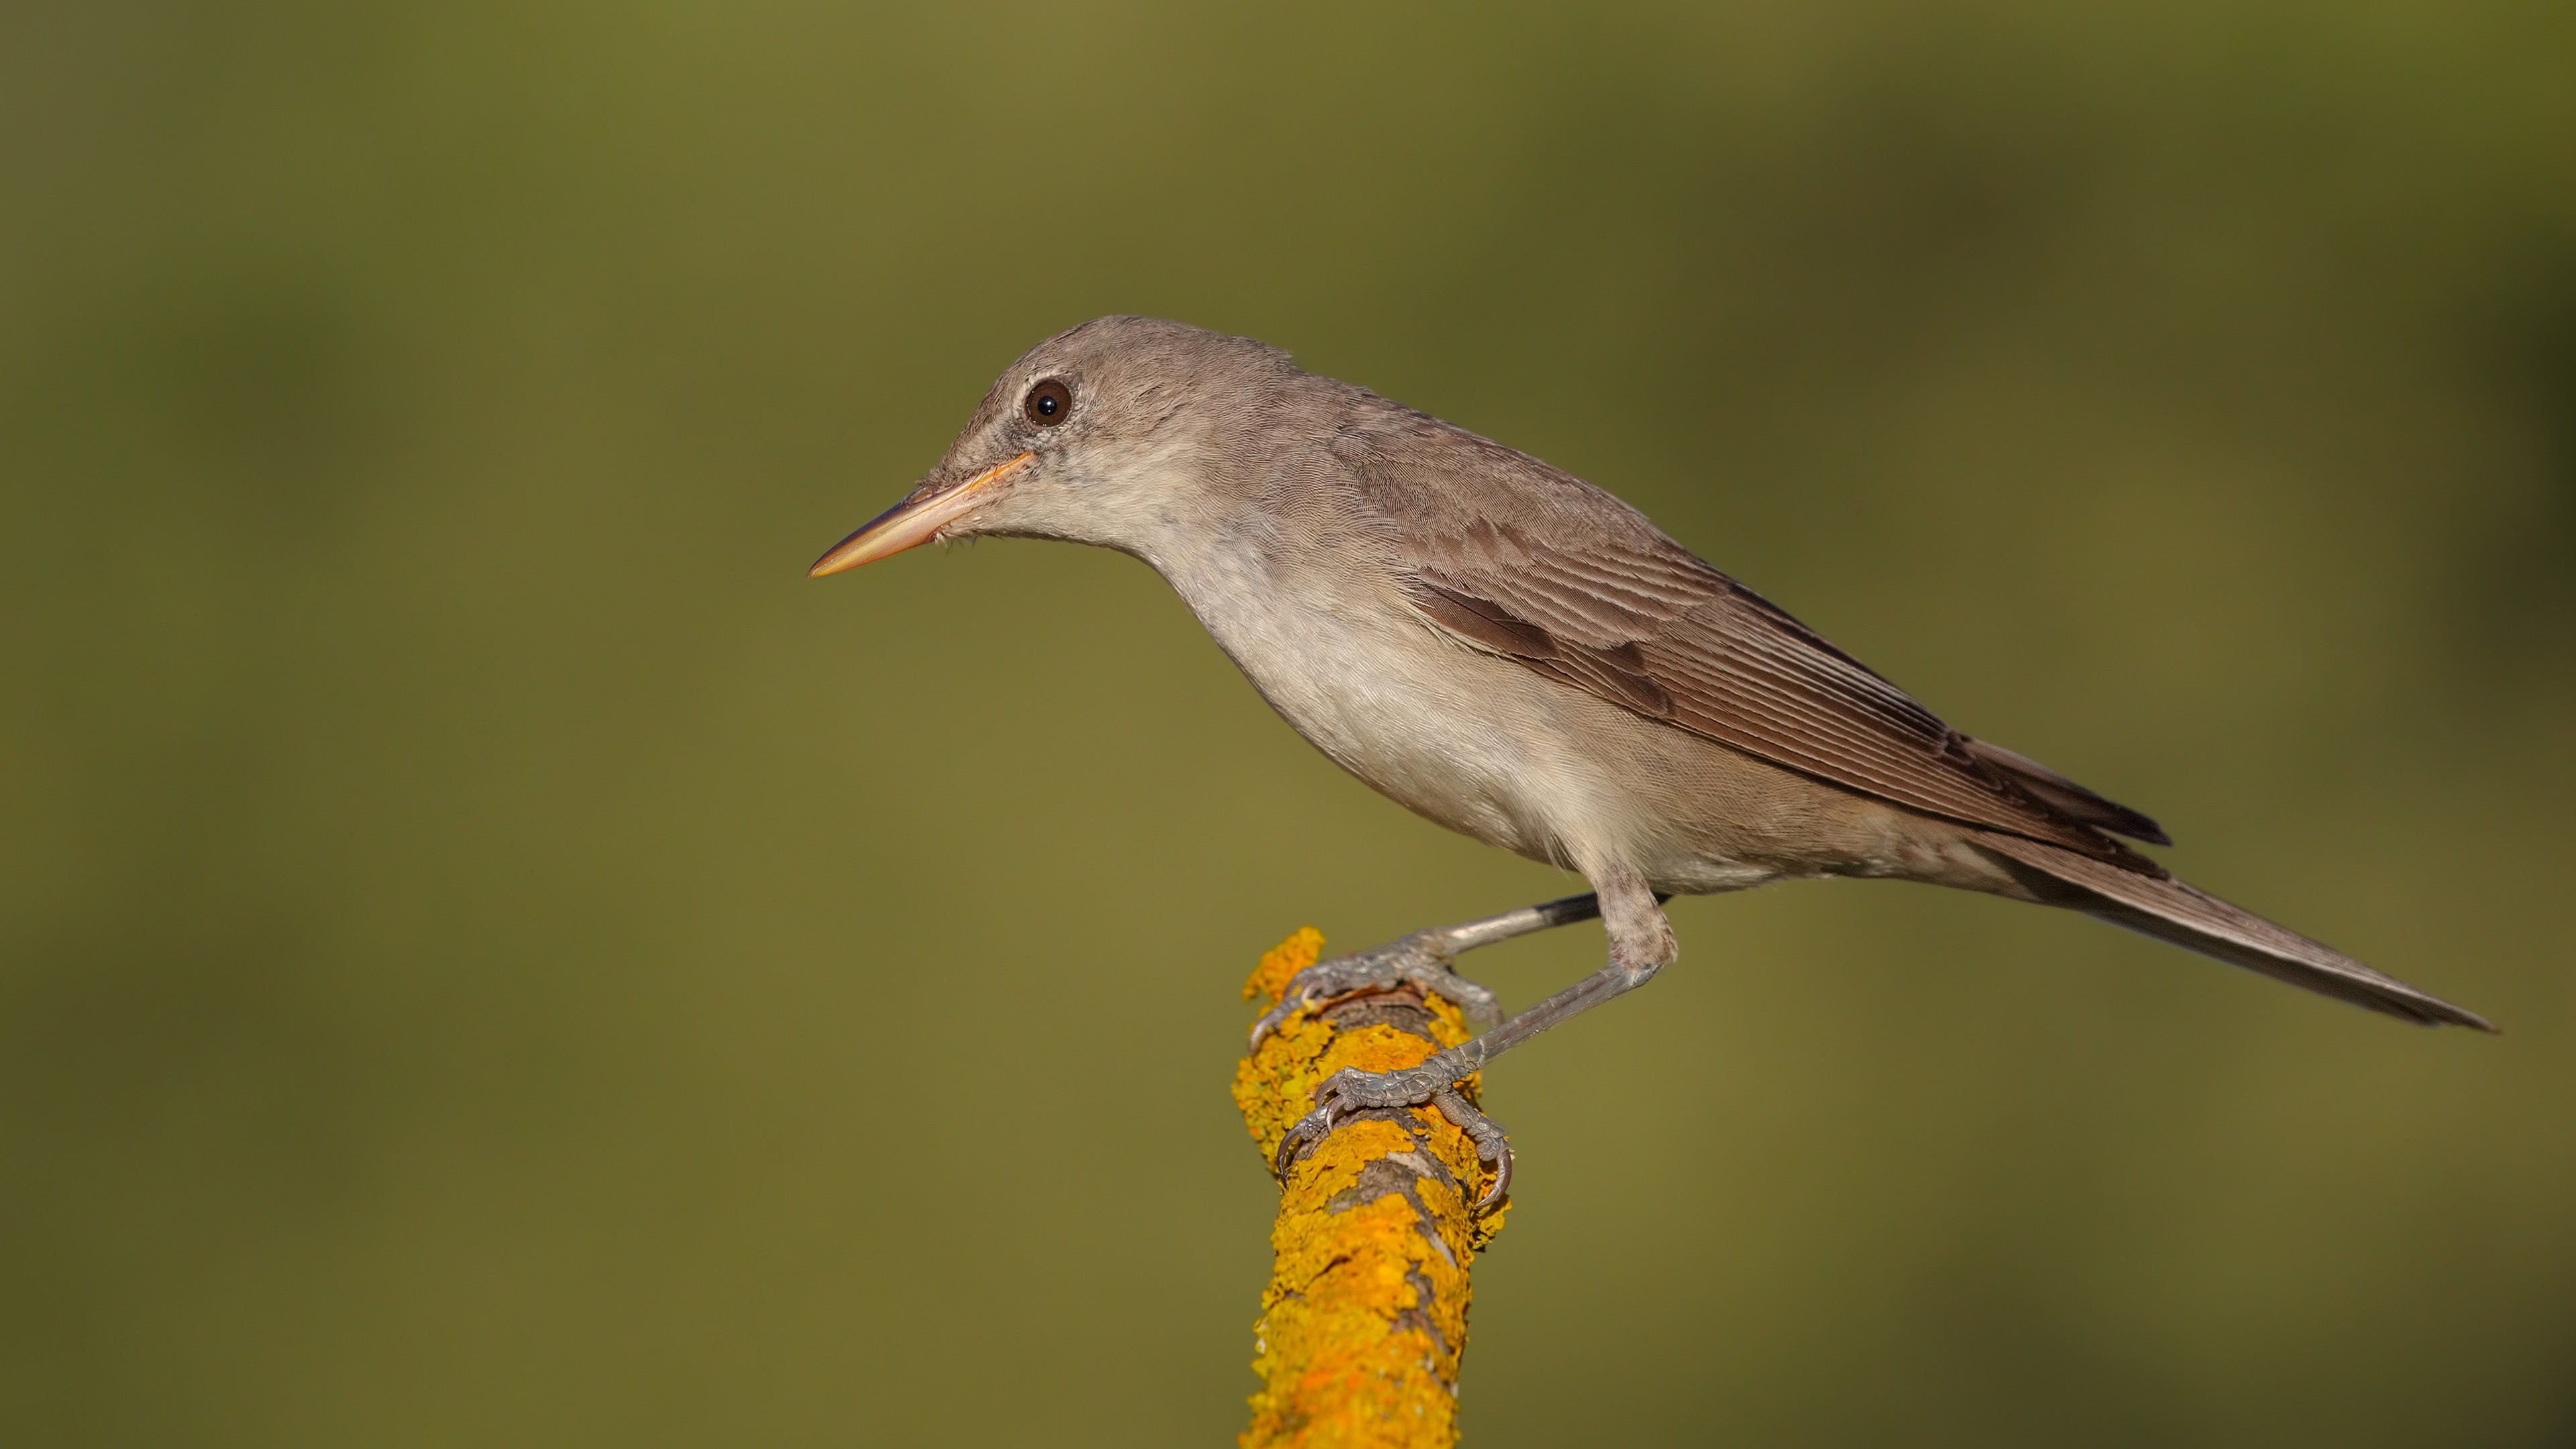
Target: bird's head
1104,434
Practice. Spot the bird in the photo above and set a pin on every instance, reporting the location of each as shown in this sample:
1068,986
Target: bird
1518,655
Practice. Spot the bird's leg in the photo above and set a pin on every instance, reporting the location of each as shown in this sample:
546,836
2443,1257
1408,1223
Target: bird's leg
1641,944
1422,959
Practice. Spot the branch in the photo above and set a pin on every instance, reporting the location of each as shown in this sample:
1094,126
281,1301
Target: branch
1365,1317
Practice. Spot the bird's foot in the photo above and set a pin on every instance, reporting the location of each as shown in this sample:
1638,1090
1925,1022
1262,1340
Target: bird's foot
1435,1082
1420,960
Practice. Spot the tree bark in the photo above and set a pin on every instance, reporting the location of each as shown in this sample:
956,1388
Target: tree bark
1365,1317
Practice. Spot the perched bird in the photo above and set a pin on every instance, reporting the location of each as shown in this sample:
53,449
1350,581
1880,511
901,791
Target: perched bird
1514,653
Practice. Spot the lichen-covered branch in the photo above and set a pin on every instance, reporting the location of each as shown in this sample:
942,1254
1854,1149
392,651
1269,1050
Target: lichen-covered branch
1365,1317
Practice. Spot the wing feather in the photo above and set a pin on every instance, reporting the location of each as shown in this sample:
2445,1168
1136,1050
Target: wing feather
1518,559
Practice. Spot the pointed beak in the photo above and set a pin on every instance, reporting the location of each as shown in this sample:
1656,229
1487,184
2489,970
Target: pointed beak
928,509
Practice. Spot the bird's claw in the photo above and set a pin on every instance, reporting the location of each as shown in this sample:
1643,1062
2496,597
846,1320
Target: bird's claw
1493,1145
1434,1083
1420,960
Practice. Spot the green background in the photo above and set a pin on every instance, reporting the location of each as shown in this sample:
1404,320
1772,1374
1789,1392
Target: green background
490,954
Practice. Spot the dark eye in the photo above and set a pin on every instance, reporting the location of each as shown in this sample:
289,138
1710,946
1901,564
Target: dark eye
1049,403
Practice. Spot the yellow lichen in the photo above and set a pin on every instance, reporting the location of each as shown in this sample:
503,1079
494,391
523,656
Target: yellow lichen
1366,1313
1303,948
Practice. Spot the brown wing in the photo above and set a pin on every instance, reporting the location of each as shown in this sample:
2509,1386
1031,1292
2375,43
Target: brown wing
1519,559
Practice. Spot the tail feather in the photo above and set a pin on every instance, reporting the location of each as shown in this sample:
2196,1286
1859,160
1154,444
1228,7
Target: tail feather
2064,795
2169,910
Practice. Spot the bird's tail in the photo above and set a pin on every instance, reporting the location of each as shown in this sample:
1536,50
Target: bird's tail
2167,909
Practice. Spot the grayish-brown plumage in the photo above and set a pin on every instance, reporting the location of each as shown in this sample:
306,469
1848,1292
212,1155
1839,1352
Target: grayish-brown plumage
1518,655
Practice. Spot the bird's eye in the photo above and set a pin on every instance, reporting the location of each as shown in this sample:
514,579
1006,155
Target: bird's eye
1049,403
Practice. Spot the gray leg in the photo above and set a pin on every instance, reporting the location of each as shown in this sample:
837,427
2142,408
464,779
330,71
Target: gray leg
1422,959
1641,944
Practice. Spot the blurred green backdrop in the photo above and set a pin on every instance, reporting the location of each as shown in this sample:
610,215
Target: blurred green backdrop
494,956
